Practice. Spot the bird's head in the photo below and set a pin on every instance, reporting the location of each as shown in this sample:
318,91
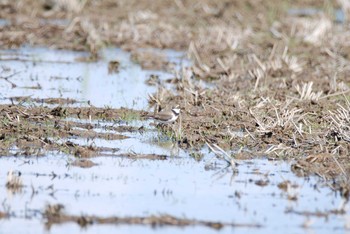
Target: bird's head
176,111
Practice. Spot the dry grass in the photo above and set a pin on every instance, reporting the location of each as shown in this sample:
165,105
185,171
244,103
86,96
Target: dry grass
340,121
280,79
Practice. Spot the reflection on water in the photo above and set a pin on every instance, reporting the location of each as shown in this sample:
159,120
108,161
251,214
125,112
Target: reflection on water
43,73
179,186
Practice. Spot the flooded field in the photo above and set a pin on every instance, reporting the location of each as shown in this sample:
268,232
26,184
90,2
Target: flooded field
43,73
256,196
174,116
253,198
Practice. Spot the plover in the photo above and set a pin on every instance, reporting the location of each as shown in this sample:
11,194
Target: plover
166,116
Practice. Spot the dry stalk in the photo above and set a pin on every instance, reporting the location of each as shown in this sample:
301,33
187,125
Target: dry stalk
282,62
292,62
221,154
306,94
279,150
158,98
313,30
340,121
193,52
283,118
338,164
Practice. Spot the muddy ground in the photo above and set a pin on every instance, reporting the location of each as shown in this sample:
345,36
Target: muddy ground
278,75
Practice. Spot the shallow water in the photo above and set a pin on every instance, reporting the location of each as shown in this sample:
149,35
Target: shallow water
179,186
339,14
43,73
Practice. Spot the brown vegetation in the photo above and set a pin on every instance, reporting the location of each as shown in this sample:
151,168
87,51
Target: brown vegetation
281,79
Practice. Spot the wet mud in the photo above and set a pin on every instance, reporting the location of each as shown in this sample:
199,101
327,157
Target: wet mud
263,90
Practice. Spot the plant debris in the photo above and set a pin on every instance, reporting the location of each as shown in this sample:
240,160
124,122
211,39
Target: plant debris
14,182
33,130
54,215
263,82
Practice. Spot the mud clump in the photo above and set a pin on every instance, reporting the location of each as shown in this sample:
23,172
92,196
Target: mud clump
113,67
34,130
55,214
83,163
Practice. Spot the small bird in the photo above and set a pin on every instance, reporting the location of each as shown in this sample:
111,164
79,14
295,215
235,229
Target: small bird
166,116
